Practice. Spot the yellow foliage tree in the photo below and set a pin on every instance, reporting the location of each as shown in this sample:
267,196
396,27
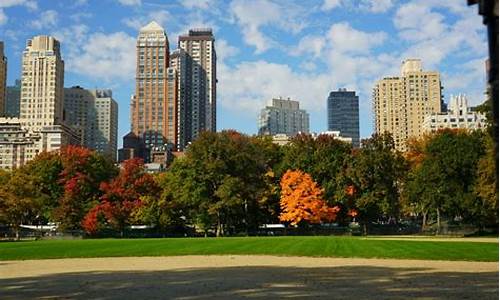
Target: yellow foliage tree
302,200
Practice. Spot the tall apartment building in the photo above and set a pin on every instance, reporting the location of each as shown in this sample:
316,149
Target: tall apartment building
3,80
181,63
78,105
199,45
283,116
93,115
459,115
103,135
40,126
13,100
400,104
42,91
149,106
343,114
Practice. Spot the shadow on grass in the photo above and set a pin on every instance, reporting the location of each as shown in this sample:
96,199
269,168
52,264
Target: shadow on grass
257,282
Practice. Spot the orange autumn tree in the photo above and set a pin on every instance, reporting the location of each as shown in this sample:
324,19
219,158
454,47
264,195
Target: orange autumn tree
302,200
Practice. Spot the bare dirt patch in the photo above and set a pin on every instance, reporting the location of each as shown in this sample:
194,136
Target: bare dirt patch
232,277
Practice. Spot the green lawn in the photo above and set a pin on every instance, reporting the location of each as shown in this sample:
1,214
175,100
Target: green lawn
326,246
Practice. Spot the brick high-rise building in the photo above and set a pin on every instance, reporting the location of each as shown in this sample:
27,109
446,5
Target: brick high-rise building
201,71
3,80
149,108
400,104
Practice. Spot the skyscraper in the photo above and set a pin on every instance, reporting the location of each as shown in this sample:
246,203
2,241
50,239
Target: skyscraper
400,104
3,80
42,93
93,115
41,125
343,114
181,63
283,116
199,45
149,107
13,100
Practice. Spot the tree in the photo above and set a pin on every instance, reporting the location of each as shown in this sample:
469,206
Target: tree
19,201
122,196
222,181
302,200
443,181
376,173
323,158
82,172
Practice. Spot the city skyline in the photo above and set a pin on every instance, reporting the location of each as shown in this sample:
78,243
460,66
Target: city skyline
264,51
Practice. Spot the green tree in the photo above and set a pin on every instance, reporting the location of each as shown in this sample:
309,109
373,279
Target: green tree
443,182
222,181
324,158
374,177
19,200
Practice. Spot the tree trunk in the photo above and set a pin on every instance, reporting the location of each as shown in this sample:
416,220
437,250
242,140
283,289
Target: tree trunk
438,221
424,220
17,234
219,226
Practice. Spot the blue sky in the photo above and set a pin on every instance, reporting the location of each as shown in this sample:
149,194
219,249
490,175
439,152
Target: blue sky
265,48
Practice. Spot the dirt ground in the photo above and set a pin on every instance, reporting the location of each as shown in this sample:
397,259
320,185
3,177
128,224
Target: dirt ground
256,277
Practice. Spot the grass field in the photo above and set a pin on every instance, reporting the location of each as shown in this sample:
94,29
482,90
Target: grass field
283,246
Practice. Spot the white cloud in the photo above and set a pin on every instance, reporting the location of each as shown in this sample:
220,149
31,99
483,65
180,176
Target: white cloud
130,2
330,4
160,16
433,37
224,50
344,38
30,4
253,15
254,83
107,57
376,6
464,80
3,17
46,19
198,4
418,22
309,44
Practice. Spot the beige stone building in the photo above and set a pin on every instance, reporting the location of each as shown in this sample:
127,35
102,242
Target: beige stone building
41,124
3,80
400,104
42,89
458,116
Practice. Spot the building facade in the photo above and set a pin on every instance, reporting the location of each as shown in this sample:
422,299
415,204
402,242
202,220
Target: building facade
201,76
283,116
3,80
181,63
42,90
459,115
400,104
343,114
149,108
13,100
41,125
93,115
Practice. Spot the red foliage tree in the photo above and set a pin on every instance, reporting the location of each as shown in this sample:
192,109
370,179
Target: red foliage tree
122,196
